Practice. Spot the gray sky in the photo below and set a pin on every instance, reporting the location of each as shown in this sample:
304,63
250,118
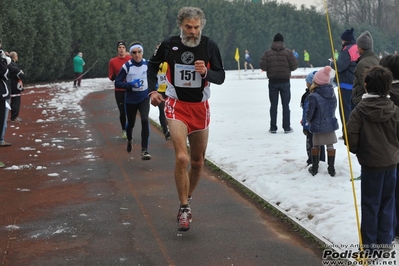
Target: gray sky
298,3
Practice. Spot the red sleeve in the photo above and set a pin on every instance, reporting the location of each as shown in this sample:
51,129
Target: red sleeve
111,70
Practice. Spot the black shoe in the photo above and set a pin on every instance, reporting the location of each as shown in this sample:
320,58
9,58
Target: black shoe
273,131
331,170
313,170
18,119
145,156
289,131
129,146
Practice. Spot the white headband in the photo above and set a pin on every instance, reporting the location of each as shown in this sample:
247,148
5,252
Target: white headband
136,46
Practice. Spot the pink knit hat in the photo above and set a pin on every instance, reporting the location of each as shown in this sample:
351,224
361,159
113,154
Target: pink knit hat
322,76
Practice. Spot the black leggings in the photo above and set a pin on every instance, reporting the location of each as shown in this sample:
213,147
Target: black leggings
120,101
15,107
162,118
131,112
2,115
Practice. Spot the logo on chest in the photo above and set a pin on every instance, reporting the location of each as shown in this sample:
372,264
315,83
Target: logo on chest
187,58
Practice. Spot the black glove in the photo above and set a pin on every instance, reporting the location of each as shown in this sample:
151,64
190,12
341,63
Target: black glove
305,132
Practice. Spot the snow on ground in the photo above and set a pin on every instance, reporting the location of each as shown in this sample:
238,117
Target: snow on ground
271,165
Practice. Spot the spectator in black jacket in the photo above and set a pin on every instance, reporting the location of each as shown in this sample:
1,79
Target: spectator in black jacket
4,143
4,92
16,77
346,64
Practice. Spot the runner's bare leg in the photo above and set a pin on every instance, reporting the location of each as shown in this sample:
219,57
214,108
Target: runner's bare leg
198,143
178,132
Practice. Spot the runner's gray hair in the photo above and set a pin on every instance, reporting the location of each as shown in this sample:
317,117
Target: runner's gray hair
191,13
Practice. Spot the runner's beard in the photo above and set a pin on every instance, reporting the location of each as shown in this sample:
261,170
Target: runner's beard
190,40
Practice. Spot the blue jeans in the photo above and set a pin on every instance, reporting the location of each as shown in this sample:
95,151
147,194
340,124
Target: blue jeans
5,122
378,206
284,89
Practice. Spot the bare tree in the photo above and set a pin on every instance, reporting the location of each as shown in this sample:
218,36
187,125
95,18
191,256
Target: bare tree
341,10
379,13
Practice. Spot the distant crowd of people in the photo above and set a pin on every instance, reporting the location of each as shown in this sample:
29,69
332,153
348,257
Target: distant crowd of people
369,88
11,88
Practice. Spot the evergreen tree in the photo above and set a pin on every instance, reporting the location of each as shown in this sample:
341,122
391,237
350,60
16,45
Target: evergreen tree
48,34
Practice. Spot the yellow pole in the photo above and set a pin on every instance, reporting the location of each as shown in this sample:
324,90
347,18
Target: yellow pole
345,136
238,63
237,58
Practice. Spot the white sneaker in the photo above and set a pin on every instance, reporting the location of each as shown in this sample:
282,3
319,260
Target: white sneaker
4,143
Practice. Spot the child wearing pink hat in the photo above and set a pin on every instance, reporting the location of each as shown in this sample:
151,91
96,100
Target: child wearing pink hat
320,116
309,136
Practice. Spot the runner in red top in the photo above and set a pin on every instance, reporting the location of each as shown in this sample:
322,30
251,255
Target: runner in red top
194,62
114,66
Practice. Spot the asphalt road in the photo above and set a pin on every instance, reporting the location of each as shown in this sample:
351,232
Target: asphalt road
71,195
